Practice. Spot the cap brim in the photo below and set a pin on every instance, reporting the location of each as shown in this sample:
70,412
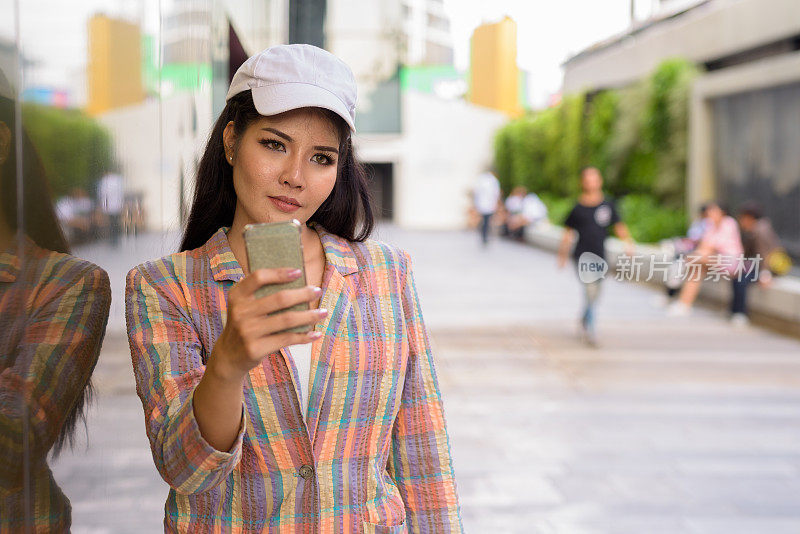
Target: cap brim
280,97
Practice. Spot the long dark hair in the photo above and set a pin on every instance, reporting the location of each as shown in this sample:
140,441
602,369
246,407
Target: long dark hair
38,221
38,218
215,198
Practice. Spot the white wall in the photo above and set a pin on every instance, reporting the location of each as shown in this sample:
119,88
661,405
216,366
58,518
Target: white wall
419,32
151,141
445,145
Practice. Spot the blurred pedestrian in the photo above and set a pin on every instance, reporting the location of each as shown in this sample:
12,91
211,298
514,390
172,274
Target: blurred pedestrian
514,223
719,250
111,199
76,213
760,245
590,218
473,217
698,226
486,197
533,209
678,248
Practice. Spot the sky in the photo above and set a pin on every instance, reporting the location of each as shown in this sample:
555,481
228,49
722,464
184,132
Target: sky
548,32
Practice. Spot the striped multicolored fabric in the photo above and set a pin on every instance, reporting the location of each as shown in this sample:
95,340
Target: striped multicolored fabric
373,454
53,314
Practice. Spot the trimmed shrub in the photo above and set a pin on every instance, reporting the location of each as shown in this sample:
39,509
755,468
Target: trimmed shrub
636,136
74,148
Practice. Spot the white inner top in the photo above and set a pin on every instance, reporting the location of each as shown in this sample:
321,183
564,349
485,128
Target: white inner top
301,354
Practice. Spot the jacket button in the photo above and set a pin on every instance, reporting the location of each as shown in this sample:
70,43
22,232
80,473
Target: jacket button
306,471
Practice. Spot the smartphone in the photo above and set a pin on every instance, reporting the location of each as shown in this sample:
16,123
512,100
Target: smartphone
277,245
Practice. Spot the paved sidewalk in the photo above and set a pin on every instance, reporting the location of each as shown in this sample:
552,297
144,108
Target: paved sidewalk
672,425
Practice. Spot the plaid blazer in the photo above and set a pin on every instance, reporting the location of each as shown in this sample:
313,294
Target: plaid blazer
53,314
373,454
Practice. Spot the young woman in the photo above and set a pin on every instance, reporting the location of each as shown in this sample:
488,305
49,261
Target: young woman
718,254
53,314
338,430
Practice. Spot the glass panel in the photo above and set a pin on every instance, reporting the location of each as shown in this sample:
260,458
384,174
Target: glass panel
105,107
114,102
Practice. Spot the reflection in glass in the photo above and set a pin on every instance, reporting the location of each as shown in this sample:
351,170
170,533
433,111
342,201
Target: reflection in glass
53,313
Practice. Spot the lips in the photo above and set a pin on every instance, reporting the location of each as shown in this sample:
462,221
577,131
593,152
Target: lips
288,200
285,204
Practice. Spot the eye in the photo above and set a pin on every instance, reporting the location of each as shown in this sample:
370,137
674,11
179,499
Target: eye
272,144
323,159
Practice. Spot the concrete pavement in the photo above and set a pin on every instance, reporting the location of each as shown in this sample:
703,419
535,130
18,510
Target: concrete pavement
673,425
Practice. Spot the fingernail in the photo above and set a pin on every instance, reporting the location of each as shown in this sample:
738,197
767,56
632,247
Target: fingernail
322,311
294,273
315,335
316,290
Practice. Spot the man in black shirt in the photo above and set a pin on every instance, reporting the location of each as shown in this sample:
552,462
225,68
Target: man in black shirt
591,218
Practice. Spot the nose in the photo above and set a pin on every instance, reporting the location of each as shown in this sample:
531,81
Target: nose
292,174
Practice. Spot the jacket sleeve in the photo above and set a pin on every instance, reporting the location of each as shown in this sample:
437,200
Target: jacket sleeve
419,459
167,361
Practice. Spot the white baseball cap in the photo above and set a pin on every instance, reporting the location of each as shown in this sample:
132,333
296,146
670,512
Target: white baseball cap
286,77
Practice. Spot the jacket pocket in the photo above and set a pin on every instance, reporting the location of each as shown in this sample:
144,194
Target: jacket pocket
373,528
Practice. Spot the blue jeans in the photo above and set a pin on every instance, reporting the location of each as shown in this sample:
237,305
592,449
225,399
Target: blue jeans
739,301
485,218
591,292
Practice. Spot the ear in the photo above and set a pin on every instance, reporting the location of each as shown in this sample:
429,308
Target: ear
5,142
228,142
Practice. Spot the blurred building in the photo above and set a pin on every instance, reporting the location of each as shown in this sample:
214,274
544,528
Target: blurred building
494,74
184,66
204,42
426,33
424,144
745,107
444,81
368,36
114,70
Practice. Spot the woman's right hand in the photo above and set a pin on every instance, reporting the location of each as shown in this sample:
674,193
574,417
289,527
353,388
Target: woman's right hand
250,334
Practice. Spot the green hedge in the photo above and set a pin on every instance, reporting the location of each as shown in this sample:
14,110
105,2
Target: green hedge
648,221
75,149
636,136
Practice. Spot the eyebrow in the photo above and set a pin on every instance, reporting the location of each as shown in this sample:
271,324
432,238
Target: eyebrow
288,138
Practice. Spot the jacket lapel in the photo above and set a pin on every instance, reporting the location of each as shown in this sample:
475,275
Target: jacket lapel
340,288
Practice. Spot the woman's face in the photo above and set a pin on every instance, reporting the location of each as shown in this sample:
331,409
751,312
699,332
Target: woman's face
284,166
715,214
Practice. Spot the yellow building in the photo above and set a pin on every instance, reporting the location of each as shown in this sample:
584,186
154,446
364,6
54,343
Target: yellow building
115,64
494,74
